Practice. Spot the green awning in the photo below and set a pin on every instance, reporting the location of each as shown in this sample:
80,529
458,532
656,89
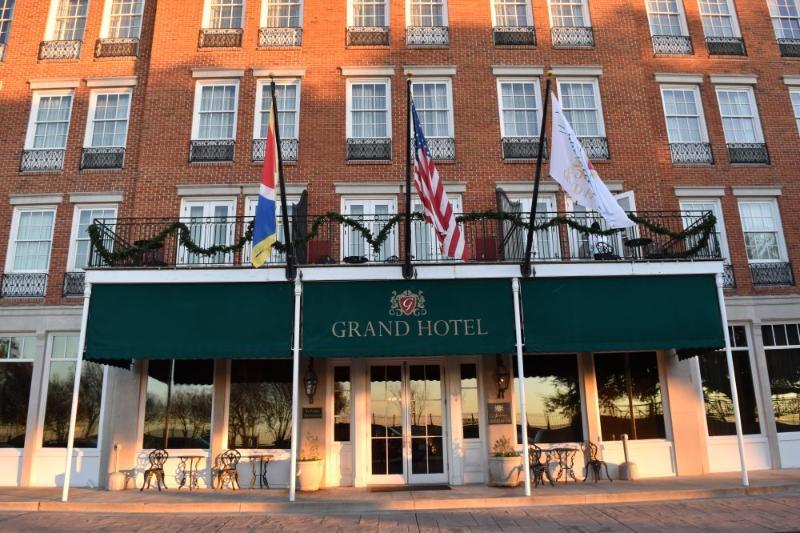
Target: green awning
190,321
408,318
598,314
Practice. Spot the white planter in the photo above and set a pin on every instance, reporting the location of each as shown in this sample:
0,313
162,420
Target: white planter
309,475
505,471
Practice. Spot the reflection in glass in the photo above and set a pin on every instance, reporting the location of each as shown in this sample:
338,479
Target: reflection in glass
260,413
783,367
342,408
59,404
15,390
470,419
717,393
387,420
425,411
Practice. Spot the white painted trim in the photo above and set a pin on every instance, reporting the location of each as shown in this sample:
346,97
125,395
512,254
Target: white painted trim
386,13
12,237
263,85
292,189
584,70
594,81
105,25
680,14
367,188
445,16
198,91
783,253
207,14
37,96
73,234
96,197
451,121
528,13
89,131
450,187
118,81
262,21
699,100
279,72
737,31
759,135
584,7
209,190
791,80
367,71
718,213
55,83
537,95
699,192
217,72
35,199
756,190
349,103
546,185
734,79
429,70
671,77
514,70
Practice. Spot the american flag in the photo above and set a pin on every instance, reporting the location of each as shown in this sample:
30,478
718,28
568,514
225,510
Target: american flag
437,209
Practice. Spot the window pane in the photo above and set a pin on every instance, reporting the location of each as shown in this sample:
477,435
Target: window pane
286,95
342,404
511,13
32,247
785,18
431,101
52,122
217,112
738,116
225,14
110,121
125,21
6,14
581,108
717,18
369,110
470,402
683,116
717,393
260,413
283,13
370,13
567,13
70,20
783,367
86,218
15,390
427,13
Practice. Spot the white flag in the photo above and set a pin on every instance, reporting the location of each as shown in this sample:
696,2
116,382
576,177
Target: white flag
570,167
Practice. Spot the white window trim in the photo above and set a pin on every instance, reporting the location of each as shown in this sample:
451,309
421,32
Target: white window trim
73,234
197,98
754,108
349,104
207,14
737,31
601,121
795,112
445,13
87,138
264,85
262,21
8,360
772,18
696,90
37,96
386,16
451,126
528,13
783,254
537,94
681,18
50,27
586,14
105,24
723,234
394,236
12,240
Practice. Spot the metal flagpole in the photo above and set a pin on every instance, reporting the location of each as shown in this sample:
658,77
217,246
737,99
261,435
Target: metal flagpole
732,377
298,293
73,415
408,270
521,387
525,267
291,271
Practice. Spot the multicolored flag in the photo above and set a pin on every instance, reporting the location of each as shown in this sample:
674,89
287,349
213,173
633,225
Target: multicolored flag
437,209
265,233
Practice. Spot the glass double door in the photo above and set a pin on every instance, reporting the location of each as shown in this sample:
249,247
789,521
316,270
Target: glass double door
408,434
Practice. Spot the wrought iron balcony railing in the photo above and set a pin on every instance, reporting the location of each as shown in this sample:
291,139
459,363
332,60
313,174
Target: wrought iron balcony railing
522,148
220,38
59,50
74,283
789,47
102,158
725,46
23,285
750,153
596,147
514,36
289,149
128,47
442,148
369,149
772,274
673,45
280,37
691,153
42,160
211,151
728,277
367,36
427,36
572,36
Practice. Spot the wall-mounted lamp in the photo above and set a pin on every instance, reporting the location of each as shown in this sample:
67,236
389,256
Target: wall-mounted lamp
501,377
310,381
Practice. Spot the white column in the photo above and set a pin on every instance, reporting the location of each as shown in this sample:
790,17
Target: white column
298,291
521,386
87,293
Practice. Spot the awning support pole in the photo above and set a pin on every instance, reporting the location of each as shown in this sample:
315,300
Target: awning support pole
732,376
73,415
298,292
521,387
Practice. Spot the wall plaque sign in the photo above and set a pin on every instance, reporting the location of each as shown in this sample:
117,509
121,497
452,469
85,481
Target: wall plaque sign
312,412
500,413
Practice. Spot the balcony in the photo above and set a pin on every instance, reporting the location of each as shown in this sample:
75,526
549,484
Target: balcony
220,38
42,160
748,153
514,36
369,149
280,37
789,47
116,48
772,274
522,148
572,37
59,50
596,147
74,283
102,158
427,36
728,277
217,151
725,46
367,36
691,153
442,148
23,285
672,45
289,150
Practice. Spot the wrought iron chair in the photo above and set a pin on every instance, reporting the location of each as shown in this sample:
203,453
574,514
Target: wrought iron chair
157,459
539,470
604,252
227,463
593,462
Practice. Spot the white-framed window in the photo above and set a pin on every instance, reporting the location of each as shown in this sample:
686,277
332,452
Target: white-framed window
426,13
67,21
211,222
583,246
546,243
666,17
737,106
694,210
785,16
372,212
719,18
17,356
31,239
520,104
580,100
250,205
287,93
6,14
368,13
282,14
683,112
223,14
107,121
763,234
215,105
512,13
433,99
569,14
48,125
794,95
79,243
424,242
122,19
369,109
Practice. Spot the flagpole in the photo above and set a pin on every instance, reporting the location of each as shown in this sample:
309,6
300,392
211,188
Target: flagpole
298,294
290,266
408,270
525,267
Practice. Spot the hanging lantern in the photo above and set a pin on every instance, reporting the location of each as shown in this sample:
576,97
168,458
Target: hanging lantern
310,381
501,377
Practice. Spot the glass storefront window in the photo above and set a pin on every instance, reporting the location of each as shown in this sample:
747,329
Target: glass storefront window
552,398
629,394
342,404
470,414
782,350
16,369
260,412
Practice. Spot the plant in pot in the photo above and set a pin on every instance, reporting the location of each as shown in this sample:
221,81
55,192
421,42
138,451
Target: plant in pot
505,465
309,465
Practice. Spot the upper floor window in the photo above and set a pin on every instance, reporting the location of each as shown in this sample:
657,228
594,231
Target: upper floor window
580,100
721,27
369,13
48,126
372,213
125,19
31,240
794,94
434,102
786,23
519,107
287,95
108,119
6,13
686,126
428,13
70,20
281,23
668,27
763,236
80,244
369,126
251,203
512,13
224,14
741,124
214,123
694,209
17,354
424,241
570,23
211,222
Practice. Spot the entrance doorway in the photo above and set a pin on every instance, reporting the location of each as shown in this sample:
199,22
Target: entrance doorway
408,436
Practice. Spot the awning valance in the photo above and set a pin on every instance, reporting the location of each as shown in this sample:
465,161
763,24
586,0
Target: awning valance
596,314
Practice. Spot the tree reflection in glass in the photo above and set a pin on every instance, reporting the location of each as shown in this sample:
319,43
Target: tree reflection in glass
260,412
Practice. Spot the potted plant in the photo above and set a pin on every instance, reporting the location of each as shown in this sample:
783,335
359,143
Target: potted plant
309,465
505,464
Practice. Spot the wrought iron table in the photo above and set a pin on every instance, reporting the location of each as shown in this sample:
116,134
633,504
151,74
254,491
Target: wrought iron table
263,460
188,466
565,460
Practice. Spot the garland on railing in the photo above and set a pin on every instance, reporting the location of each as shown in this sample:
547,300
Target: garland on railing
702,229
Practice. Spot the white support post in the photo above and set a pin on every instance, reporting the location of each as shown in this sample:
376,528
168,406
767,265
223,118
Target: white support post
298,292
87,293
732,376
521,387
